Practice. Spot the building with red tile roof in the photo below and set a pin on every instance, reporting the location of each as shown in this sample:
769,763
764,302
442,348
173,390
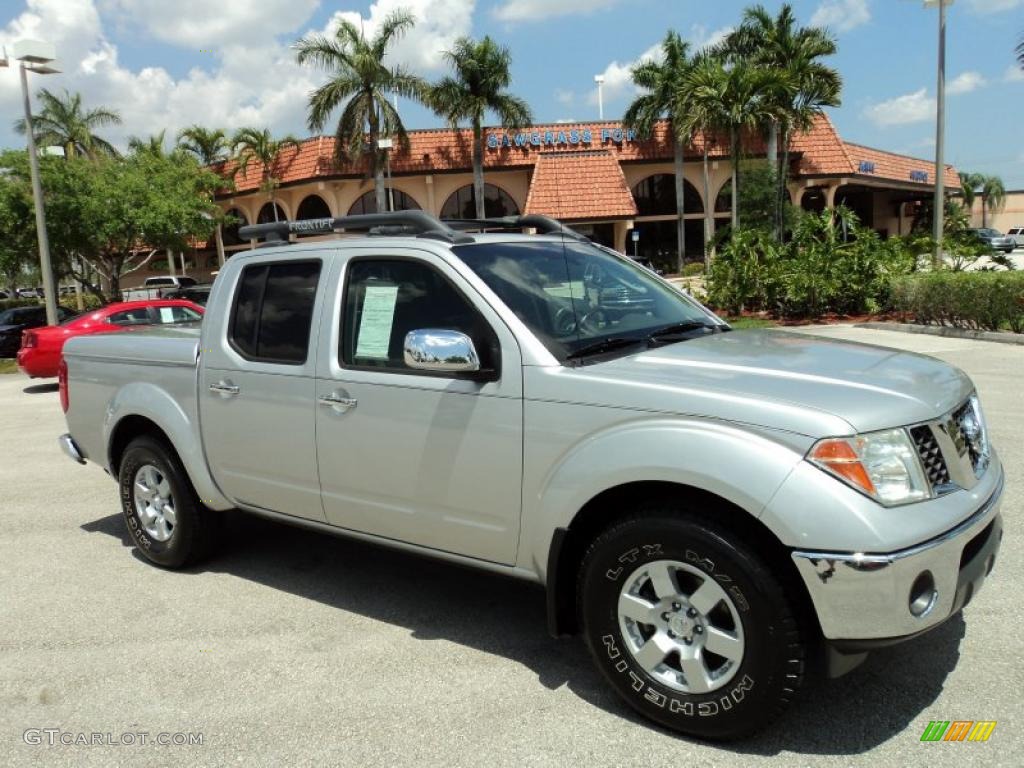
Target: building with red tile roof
601,178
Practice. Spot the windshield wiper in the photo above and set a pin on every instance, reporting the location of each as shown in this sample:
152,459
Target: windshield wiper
604,345
669,331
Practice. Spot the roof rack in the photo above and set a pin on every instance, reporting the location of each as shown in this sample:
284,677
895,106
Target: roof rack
543,224
418,223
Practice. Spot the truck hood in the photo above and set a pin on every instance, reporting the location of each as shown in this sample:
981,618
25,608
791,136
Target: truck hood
781,380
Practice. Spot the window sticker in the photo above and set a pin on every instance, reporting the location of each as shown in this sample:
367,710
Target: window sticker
166,314
376,321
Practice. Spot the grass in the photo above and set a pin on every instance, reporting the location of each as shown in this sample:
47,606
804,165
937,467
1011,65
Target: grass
8,365
750,322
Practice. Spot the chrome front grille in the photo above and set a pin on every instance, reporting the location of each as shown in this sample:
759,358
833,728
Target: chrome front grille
954,450
931,455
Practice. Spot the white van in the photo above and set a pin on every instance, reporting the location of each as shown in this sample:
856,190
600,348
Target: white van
1017,233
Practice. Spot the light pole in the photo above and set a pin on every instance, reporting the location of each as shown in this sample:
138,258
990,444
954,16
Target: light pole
38,57
599,79
387,144
940,131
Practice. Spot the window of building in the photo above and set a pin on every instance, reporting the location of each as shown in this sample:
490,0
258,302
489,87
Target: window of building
229,232
368,203
462,203
405,295
723,203
274,311
656,196
266,215
313,207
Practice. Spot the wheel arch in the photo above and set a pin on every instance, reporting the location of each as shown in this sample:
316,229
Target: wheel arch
145,409
569,544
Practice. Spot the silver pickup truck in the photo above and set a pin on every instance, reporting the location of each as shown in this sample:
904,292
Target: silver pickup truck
717,512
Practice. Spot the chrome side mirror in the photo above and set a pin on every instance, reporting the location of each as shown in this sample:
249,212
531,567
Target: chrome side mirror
434,349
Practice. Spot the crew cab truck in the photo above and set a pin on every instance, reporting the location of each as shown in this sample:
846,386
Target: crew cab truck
711,509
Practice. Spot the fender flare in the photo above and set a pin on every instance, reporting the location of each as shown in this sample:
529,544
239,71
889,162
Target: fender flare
735,464
155,404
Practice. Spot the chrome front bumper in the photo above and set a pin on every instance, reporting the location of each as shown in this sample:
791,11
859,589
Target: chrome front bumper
867,597
70,447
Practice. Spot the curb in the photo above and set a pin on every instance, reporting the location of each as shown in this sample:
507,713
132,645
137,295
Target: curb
999,337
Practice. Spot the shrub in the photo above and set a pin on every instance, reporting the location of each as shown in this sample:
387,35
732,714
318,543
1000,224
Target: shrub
831,264
693,269
987,301
90,301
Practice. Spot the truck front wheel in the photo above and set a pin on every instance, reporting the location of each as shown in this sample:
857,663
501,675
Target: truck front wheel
689,625
166,521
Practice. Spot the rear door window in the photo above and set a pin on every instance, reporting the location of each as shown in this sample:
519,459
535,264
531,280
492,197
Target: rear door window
173,315
273,312
136,316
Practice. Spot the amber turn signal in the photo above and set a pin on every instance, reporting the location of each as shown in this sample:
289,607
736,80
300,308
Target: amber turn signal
840,458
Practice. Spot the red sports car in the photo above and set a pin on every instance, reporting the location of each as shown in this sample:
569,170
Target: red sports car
40,350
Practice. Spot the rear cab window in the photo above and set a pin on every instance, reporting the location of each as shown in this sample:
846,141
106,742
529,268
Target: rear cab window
272,315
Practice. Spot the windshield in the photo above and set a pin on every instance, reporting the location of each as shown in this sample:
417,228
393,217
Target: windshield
574,296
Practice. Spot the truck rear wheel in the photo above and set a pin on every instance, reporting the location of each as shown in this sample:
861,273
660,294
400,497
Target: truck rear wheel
166,521
689,625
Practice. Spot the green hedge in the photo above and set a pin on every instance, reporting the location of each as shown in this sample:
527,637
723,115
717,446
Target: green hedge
988,301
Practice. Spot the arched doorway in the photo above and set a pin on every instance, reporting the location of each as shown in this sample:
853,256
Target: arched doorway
313,207
656,196
266,214
229,233
368,203
461,204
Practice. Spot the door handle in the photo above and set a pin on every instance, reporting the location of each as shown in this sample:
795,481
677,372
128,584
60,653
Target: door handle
337,401
224,388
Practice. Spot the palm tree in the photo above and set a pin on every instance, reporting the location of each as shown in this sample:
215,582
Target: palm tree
777,43
63,122
153,146
207,145
993,195
705,84
663,97
360,83
751,96
481,77
969,185
250,144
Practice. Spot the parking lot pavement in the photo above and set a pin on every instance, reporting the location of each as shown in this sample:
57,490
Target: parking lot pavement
292,648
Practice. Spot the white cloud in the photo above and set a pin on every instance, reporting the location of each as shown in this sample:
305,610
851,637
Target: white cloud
701,37
252,81
994,6
194,23
909,108
841,15
618,77
438,24
1013,74
966,82
536,10
563,96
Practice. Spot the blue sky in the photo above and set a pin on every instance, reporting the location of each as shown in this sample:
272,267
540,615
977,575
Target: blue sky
167,64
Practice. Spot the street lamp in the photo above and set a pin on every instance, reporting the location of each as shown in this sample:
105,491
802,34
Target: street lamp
38,57
387,144
599,79
940,130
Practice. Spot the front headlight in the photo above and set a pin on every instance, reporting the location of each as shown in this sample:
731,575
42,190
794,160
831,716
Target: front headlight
884,465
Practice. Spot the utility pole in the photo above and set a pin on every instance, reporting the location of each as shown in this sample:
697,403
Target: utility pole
940,134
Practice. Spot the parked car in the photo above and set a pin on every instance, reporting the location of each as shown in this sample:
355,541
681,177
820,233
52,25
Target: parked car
1017,233
157,287
199,294
710,509
994,239
16,320
41,348
30,293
